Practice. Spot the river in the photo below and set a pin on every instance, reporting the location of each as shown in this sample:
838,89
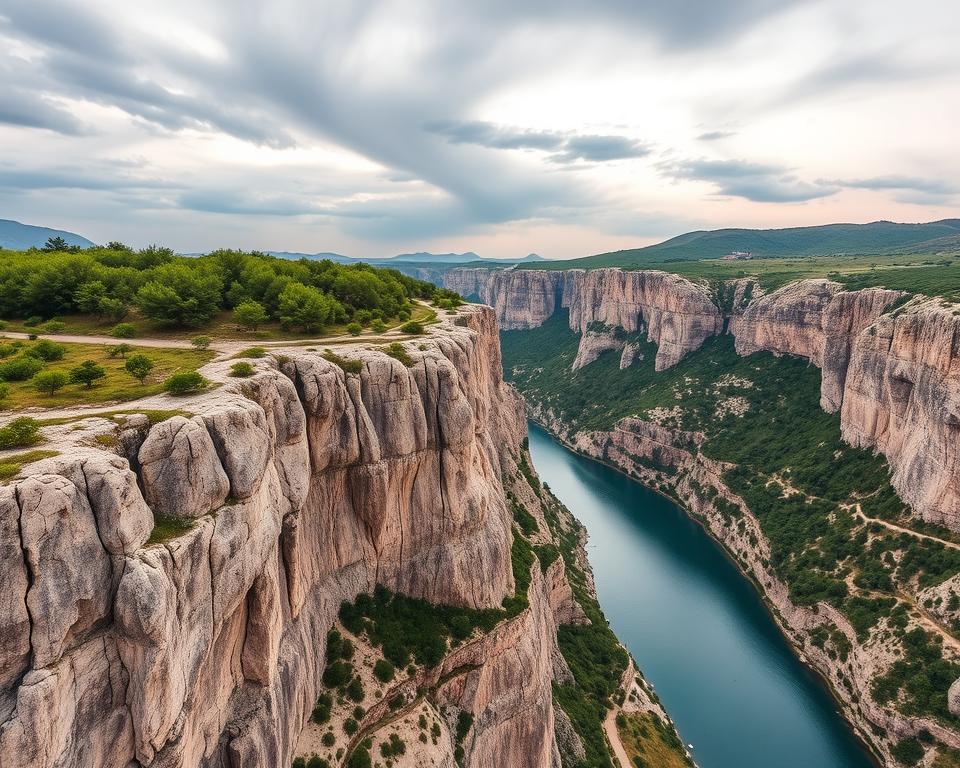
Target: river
696,626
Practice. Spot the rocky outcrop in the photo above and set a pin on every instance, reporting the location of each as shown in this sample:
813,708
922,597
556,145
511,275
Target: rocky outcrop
302,487
593,344
815,319
675,313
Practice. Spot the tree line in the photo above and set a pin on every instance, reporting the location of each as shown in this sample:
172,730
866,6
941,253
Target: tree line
179,291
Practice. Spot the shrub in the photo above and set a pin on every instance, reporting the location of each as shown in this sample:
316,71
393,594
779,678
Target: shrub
378,326
907,752
354,329
383,670
242,370
413,327
338,673
328,739
47,350
250,314
316,761
139,366
6,350
33,321
87,373
321,710
53,326
185,383
360,758
201,342
123,331
20,368
3,325
355,690
350,726
254,352
19,433
49,382
120,350
348,366
395,747
4,391
358,712
397,351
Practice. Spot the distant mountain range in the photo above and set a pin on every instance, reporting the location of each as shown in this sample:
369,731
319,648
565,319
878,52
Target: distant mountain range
18,237
420,257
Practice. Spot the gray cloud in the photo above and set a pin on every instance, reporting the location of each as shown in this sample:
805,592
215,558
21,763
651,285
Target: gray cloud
33,111
930,187
564,147
759,182
715,135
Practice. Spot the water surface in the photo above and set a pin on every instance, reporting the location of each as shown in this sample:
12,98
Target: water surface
696,626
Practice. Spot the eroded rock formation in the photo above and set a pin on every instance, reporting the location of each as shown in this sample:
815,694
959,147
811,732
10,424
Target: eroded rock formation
677,314
305,486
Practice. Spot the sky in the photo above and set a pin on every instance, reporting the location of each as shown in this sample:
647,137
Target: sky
503,127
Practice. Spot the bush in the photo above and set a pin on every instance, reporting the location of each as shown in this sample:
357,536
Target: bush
250,314
120,350
378,326
20,368
328,739
33,321
383,670
360,758
47,350
354,329
19,433
53,326
321,710
87,373
397,351
254,352
907,752
355,690
185,383
413,327
139,366
201,342
242,370
350,726
337,674
4,391
49,382
123,331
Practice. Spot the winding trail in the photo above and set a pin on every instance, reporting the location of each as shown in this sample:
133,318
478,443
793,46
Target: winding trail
613,736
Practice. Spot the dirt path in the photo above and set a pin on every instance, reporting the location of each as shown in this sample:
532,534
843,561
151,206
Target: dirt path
110,340
900,529
613,736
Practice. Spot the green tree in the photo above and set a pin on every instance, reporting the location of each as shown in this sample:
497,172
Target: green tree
55,244
47,350
87,373
139,366
307,308
49,382
120,350
250,314
115,309
180,295
354,329
89,295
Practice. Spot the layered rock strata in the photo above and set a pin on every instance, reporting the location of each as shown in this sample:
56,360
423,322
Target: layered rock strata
298,488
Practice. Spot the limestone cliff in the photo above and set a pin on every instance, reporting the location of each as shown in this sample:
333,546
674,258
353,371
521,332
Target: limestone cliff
677,314
293,490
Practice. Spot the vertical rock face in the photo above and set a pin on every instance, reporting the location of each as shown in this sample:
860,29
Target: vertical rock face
902,397
305,488
677,314
815,319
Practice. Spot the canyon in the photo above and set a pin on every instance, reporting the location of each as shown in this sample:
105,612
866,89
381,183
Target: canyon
171,576
888,371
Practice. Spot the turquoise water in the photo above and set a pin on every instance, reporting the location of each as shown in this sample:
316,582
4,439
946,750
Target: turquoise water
696,626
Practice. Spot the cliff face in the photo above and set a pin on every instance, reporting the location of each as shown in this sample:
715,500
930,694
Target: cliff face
893,375
902,397
677,314
815,319
306,486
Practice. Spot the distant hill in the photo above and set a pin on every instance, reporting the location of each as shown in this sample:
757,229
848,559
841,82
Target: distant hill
420,258
878,237
18,237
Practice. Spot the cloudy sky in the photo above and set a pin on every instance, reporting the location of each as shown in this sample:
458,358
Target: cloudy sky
501,126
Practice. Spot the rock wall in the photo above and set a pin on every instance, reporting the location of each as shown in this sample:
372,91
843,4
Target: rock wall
677,314
306,486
